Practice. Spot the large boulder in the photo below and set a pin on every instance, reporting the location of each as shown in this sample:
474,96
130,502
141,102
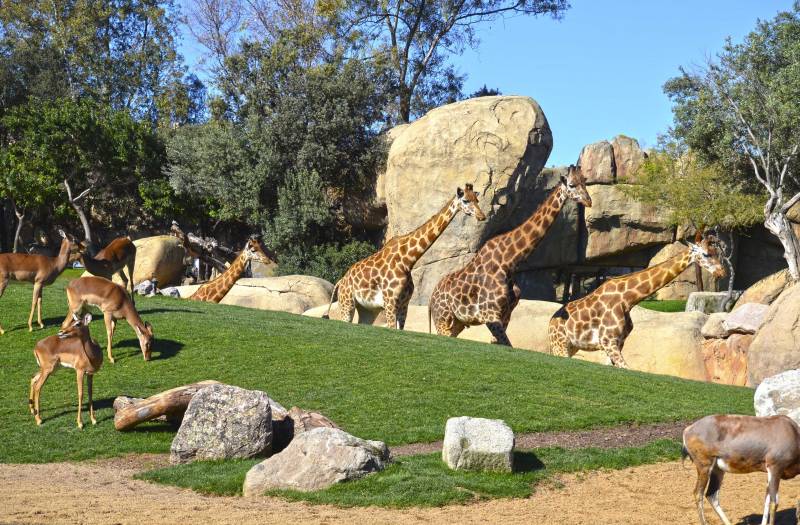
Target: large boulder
708,302
224,422
745,320
287,293
686,281
158,258
597,163
726,359
315,460
767,289
776,347
779,395
478,444
294,422
499,144
713,328
662,343
620,229
628,157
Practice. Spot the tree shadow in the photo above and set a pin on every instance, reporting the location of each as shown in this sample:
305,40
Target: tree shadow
782,517
168,310
527,462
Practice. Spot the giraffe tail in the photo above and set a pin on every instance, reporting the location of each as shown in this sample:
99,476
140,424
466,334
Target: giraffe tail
327,315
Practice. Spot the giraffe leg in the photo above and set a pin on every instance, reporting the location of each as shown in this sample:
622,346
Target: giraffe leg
347,306
390,311
448,325
402,304
515,294
614,353
498,333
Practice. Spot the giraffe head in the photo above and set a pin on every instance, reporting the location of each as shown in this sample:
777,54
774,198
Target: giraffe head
253,252
575,186
467,200
705,252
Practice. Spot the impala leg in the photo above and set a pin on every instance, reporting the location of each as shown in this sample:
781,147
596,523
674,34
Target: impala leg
703,472
37,290
37,392
3,284
39,308
109,321
712,493
89,382
771,501
34,379
79,378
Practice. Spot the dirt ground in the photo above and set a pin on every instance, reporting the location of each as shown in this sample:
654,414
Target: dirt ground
102,492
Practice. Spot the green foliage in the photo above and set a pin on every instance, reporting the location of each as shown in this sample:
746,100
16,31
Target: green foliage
694,192
424,480
327,261
669,305
395,386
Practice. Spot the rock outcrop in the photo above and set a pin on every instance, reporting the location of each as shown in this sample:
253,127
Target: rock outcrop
779,395
597,163
776,347
766,290
725,360
315,460
745,320
707,302
499,144
224,422
478,444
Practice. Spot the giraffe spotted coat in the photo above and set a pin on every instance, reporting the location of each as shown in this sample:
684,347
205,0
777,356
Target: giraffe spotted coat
214,290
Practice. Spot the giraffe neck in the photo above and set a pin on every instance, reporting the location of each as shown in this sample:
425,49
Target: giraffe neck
517,244
422,238
220,286
645,283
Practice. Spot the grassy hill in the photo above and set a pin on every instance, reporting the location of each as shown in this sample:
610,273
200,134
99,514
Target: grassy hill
399,387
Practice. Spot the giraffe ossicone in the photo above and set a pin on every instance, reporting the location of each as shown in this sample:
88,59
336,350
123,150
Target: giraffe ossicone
483,291
601,320
383,280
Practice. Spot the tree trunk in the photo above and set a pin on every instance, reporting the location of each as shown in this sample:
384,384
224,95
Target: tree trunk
172,404
3,228
698,277
87,229
20,221
778,224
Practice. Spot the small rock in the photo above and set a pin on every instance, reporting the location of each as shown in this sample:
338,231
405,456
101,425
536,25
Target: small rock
315,460
746,319
146,287
713,328
779,394
708,302
478,444
171,291
223,422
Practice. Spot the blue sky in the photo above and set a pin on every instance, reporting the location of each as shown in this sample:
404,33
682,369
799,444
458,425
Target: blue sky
599,71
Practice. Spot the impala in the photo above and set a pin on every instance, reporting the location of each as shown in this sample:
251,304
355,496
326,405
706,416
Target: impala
114,302
120,254
71,348
37,269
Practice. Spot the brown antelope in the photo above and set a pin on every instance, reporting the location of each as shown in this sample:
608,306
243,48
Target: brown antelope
74,348
114,258
114,302
740,445
37,269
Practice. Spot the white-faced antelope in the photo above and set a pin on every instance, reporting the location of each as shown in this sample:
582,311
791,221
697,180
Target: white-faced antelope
37,269
72,348
114,302
739,445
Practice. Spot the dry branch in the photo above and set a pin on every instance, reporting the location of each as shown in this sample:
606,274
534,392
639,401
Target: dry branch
173,403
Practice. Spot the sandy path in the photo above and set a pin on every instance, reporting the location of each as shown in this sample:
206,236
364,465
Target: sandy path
103,493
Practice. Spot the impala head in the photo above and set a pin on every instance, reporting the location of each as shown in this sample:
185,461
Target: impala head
71,244
575,186
145,336
705,251
76,326
254,252
467,200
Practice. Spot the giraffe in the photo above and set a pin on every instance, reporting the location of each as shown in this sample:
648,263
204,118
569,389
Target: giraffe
602,321
483,291
213,291
383,280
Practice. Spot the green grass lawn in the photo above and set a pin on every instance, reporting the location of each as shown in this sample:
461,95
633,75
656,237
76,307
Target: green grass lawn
671,305
398,387
424,480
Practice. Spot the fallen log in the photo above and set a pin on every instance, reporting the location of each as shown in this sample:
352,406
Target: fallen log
171,404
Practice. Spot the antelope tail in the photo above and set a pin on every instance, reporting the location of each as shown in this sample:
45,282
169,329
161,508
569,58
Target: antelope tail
327,314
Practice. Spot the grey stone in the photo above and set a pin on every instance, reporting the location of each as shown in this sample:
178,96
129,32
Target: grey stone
776,347
713,328
293,423
708,302
779,395
224,422
746,319
478,444
315,460
171,291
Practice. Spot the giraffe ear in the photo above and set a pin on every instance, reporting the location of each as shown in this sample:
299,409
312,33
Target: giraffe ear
459,192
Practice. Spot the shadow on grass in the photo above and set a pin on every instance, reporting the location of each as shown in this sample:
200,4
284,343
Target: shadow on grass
167,310
162,349
527,462
783,517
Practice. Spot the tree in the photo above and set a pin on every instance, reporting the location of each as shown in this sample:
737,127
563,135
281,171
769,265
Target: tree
742,111
698,194
415,38
485,92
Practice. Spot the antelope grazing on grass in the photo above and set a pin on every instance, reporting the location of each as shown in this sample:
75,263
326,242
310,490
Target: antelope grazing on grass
114,302
71,348
37,269
740,445
119,255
